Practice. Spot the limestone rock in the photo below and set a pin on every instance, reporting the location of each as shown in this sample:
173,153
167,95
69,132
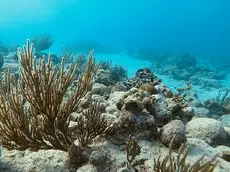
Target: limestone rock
201,112
138,125
118,87
225,120
87,168
101,160
162,114
207,129
175,127
42,161
98,89
102,77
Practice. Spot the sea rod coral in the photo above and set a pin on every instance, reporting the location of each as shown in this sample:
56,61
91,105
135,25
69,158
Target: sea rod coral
33,113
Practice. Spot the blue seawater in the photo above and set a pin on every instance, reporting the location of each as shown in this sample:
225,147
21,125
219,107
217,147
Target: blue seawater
181,41
131,33
199,27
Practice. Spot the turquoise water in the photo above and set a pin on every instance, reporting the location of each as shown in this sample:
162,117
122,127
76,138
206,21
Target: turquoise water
201,27
114,28
185,43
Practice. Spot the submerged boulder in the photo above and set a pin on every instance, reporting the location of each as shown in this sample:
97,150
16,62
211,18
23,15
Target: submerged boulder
102,77
100,159
162,114
174,128
201,112
207,129
225,120
98,88
140,125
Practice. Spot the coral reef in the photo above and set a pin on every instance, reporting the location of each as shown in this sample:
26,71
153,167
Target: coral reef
94,118
142,76
140,110
110,75
185,67
219,105
6,49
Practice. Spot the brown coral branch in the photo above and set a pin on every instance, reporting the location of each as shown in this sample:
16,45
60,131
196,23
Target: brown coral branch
132,151
15,131
42,42
172,164
91,124
33,113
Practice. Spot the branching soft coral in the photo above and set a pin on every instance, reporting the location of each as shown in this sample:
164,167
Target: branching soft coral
91,124
42,42
17,129
132,151
33,113
171,163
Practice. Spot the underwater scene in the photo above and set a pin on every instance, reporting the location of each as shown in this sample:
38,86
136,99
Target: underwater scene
114,86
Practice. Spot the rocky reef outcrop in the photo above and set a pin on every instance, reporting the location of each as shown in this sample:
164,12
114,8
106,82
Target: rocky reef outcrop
185,67
122,125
